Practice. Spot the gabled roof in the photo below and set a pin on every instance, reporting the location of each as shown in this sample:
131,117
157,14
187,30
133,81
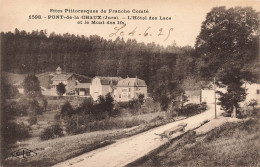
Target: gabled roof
109,80
131,82
62,77
83,85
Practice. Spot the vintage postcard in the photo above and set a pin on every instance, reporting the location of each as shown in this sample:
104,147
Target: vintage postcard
109,83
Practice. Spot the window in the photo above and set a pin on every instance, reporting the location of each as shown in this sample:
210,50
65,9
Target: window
258,91
119,95
129,89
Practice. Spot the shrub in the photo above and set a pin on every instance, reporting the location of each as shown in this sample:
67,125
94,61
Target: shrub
150,106
134,106
32,119
158,118
141,99
106,124
57,116
51,132
191,109
253,103
13,132
171,114
15,109
66,110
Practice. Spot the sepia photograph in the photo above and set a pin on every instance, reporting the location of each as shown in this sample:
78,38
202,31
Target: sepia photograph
140,83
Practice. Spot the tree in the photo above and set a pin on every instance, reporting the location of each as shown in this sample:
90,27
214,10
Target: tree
227,42
11,131
31,86
227,34
232,78
60,89
66,110
109,103
106,104
141,98
8,91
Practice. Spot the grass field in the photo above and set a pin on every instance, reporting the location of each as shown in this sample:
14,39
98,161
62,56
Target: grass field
70,146
14,78
232,144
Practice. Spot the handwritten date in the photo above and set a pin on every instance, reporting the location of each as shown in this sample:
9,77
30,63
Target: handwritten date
120,31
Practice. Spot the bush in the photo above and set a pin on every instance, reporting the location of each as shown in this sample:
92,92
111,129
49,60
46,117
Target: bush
158,118
253,103
15,109
52,132
150,106
192,109
106,124
57,116
171,114
66,110
134,106
32,119
13,132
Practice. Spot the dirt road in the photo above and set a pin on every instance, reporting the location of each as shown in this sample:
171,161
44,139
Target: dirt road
127,150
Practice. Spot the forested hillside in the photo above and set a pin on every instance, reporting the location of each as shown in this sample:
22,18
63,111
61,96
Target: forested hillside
36,52
226,48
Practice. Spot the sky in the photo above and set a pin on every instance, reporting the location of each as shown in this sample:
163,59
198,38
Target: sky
182,29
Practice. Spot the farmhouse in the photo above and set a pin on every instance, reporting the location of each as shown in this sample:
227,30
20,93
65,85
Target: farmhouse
103,85
75,84
68,79
130,88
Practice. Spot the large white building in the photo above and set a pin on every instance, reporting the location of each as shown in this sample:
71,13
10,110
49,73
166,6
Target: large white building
122,90
130,88
102,86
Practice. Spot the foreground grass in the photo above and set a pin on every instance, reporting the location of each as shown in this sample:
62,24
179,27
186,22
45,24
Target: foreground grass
232,144
57,150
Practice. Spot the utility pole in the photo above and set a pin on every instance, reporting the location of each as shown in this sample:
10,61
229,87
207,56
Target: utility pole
215,98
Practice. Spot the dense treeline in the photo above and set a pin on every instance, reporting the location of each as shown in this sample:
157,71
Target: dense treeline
227,48
37,52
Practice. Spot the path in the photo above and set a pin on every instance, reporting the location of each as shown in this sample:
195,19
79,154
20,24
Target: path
127,150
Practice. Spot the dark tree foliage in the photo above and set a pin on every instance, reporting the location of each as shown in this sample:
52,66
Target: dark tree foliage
227,35
227,44
32,87
141,99
11,131
105,104
86,107
60,89
37,52
8,91
52,132
66,110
